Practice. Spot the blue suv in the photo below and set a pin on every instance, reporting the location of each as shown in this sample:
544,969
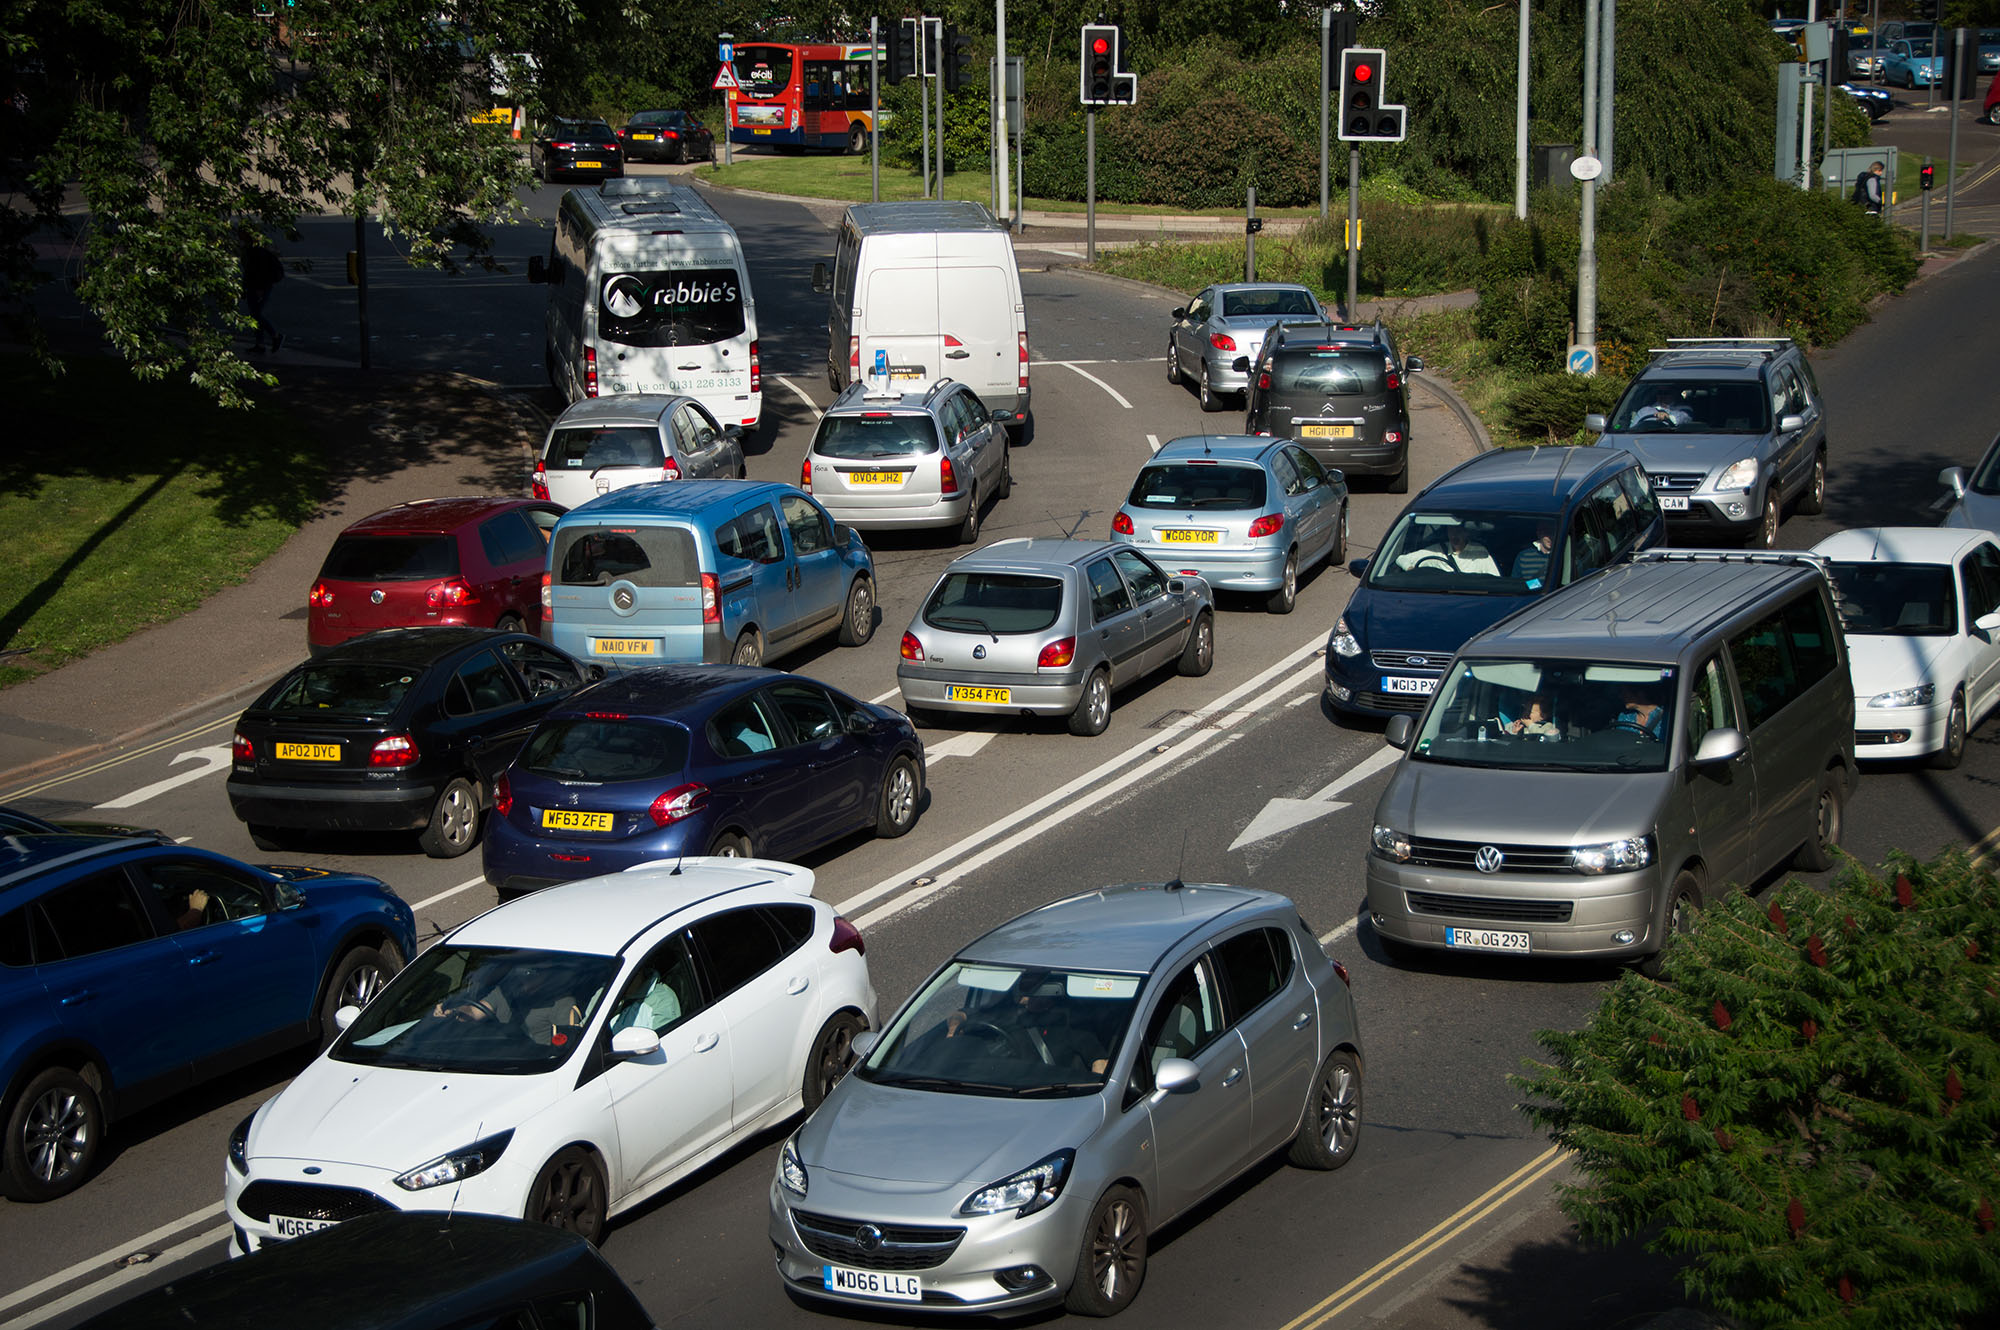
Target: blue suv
131,970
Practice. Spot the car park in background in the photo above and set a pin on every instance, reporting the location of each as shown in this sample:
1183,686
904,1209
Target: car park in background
403,730
1337,390
1243,513
1875,101
1864,59
131,970
901,457
1050,627
599,444
1226,323
666,136
694,759
576,150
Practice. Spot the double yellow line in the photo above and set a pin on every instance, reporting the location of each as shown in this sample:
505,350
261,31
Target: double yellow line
1445,1232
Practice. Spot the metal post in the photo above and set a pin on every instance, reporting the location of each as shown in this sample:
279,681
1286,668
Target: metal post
1020,140
1951,152
1805,121
1924,242
1000,190
874,112
1325,64
1353,232
728,112
1249,235
924,101
938,74
995,137
1826,107
1607,86
1586,256
1521,119
1090,184
361,279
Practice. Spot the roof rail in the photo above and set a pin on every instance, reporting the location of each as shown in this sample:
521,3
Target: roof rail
937,388
1805,558
1769,346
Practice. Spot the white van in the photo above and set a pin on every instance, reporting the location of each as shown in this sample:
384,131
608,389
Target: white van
928,290
648,293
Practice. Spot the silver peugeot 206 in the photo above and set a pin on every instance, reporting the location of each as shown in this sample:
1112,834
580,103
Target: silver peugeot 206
1062,1087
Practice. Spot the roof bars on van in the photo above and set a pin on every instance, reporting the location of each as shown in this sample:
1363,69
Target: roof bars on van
1805,558
1769,346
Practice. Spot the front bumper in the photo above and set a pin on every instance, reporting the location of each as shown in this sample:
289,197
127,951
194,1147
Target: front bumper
333,807
279,1189
1885,733
1354,684
1735,513
1563,914
1052,694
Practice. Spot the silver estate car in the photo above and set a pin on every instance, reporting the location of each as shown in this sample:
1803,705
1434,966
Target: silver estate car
1049,627
1064,1086
1226,323
1241,512
930,457
600,444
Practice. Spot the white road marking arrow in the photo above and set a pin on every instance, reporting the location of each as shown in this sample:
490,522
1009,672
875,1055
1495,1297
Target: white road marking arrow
959,745
1281,815
212,760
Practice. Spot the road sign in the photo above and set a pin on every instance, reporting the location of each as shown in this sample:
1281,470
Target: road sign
1586,168
725,79
725,51
1582,360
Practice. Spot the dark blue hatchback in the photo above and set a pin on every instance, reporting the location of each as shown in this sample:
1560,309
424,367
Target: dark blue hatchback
1478,543
699,759
131,970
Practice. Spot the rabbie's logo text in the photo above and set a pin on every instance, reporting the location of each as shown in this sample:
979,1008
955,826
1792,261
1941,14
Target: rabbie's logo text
634,296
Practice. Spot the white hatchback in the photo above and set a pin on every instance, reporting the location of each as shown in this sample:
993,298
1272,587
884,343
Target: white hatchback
566,1056
1921,609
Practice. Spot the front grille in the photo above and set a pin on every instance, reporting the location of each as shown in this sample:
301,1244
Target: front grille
1410,702
902,1246
1513,858
1430,662
1676,482
308,1200
1491,907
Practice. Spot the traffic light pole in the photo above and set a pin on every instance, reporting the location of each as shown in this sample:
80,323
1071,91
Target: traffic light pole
1586,257
1325,94
1353,232
1090,184
1951,152
874,111
942,56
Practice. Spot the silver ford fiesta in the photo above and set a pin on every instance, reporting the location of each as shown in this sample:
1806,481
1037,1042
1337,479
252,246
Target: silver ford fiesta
1062,1087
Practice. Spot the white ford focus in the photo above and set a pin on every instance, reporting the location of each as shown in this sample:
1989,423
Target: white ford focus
567,1055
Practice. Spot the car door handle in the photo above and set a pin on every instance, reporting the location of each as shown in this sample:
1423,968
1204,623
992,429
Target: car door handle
1235,1075
707,1041
77,998
201,958
960,354
1305,1019
796,984
687,367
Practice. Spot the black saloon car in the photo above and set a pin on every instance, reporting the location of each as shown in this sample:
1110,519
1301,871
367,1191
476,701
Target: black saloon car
577,149
401,730
666,136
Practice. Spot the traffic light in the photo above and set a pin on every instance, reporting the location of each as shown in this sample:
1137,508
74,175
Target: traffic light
1098,79
903,51
1924,177
1344,26
957,56
1365,113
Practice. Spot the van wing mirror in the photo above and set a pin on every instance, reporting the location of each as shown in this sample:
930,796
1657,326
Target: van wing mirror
1594,423
538,270
1953,478
1241,364
1723,744
1791,424
822,284
1413,364
1181,312
1398,731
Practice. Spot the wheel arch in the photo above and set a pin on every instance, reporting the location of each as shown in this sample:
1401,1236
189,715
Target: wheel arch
70,1054
365,935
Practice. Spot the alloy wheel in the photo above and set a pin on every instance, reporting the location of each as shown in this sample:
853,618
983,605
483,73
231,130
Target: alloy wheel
1115,1260
56,1135
1339,1109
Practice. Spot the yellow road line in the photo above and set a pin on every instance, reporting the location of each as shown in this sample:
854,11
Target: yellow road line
184,736
1446,1230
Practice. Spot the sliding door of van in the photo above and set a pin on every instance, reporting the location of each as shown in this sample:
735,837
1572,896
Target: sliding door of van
1786,665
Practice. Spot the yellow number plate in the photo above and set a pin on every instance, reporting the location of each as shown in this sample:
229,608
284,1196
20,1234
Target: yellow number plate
874,477
909,373
647,137
309,752
760,131
959,692
622,646
569,819
1189,537
589,166
1326,431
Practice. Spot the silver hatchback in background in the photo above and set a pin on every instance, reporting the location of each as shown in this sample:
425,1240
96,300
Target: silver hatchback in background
1062,1088
600,444
1049,627
1226,323
888,459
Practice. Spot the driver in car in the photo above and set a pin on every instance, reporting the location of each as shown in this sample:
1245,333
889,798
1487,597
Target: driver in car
1641,713
1461,554
1039,1025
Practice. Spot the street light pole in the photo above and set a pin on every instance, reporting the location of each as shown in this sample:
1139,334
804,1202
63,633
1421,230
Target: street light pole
1586,258
1325,59
1000,99
1521,120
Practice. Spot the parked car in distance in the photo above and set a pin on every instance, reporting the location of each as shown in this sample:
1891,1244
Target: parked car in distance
20,822
1241,512
599,444
1875,101
899,457
1062,1088
576,149
1226,323
474,562
566,1056
1921,609
132,970
1731,431
423,1272
1050,627
402,730
1337,389
1478,543
705,571
699,759
666,136
1912,64
1864,58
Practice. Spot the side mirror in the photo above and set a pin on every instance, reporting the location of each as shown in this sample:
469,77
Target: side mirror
1594,423
634,1042
1359,567
1413,365
1241,364
288,896
1181,313
1791,424
344,1017
864,1043
732,431
1953,478
822,283
1986,623
1725,744
594,673
1002,417
1177,1076
1398,731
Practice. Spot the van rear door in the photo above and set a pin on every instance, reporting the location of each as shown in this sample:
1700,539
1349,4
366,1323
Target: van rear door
899,316
626,593
977,316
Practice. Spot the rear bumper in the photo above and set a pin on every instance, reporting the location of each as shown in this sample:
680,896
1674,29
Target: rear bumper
515,861
333,807
940,512
1224,570
1050,695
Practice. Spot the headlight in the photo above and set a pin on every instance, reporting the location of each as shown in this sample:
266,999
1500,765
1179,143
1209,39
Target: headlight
458,1165
1740,476
1031,1189
1920,696
791,1172
1613,856
1342,641
239,1146
1392,843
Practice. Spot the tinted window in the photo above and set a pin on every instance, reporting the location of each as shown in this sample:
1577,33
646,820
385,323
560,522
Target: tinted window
580,448
743,728
96,914
1144,579
391,559
544,670
808,525
1197,485
994,602
1329,372
481,684
17,938
1235,304
737,945
1899,599
808,710
1982,587
678,307
662,992
753,536
794,925
1781,657
588,748
193,893
1254,966
1814,654
643,555
1108,596
343,690
877,434
511,538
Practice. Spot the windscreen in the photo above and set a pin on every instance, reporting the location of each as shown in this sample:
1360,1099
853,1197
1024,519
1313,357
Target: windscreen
1465,551
643,555
592,448
763,71
875,435
391,559
673,307
994,603
597,748
1551,715
1895,599
343,691
1333,372
1691,406
1241,304
1212,486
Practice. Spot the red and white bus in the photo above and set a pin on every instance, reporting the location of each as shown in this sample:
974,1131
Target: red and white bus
806,95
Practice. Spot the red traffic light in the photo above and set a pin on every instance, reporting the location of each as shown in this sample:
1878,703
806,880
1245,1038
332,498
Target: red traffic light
1099,46
1363,72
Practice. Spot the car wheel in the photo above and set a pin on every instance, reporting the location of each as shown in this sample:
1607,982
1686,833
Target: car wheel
902,791
1952,752
1682,909
353,983
1211,400
510,623
1006,486
454,824
1331,1127
1112,1264
857,621
729,845
968,530
265,838
569,1195
1400,482
1765,537
749,649
1286,598
1813,502
1174,374
832,1054
1198,656
53,1137
548,172
1093,709
1817,854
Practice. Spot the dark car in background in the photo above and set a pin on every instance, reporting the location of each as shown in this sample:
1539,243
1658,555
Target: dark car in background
666,136
699,759
403,730
1338,390
576,150
132,970
473,562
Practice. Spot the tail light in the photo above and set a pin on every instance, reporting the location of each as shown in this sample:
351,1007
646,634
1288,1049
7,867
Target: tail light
806,475
242,750
1395,380
1270,524
1057,654
548,596
321,596
1222,341
398,750
590,371
503,795
947,478
670,470
1263,380
846,937
541,481
711,599
1121,525
912,648
1024,361
677,803
665,133
1392,436
853,359
756,368
452,595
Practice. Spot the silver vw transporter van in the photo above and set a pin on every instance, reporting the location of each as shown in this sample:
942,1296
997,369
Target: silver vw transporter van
1595,766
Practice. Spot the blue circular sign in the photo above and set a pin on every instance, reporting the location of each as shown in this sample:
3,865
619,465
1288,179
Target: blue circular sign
1582,360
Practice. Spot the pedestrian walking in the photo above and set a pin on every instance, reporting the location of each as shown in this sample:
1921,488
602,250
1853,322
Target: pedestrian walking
262,270
1868,190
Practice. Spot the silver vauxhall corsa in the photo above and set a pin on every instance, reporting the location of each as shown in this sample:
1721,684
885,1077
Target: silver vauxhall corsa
1060,1089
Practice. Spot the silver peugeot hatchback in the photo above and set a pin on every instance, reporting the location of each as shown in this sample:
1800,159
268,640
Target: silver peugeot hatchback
1064,1086
930,457
1049,627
